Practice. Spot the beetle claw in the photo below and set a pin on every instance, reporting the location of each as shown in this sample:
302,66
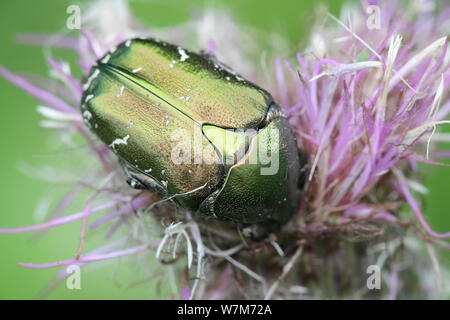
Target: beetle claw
132,181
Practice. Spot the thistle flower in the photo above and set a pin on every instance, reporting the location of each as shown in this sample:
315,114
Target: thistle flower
364,103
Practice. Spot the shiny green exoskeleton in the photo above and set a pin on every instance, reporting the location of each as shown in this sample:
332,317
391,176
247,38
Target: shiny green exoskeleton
187,126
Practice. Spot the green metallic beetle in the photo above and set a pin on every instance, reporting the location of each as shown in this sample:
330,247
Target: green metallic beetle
192,129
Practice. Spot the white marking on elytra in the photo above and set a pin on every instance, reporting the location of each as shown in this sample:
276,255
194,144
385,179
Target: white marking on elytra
87,115
183,54
120,91
189,171
148,170
228,78
187,97
118,141
92,77
88,97
137,69
106,58
128,43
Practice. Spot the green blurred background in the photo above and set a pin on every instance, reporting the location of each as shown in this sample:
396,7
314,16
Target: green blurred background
23,141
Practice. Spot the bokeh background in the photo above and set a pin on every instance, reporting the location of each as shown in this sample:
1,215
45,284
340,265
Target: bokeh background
24,146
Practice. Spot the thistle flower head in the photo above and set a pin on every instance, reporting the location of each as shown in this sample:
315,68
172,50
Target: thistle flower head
365,101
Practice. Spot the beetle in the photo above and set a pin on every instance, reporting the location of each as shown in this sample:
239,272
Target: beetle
189,127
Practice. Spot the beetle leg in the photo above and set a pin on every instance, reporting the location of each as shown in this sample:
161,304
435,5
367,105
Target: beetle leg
259,231
132,181
139,181
135,183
